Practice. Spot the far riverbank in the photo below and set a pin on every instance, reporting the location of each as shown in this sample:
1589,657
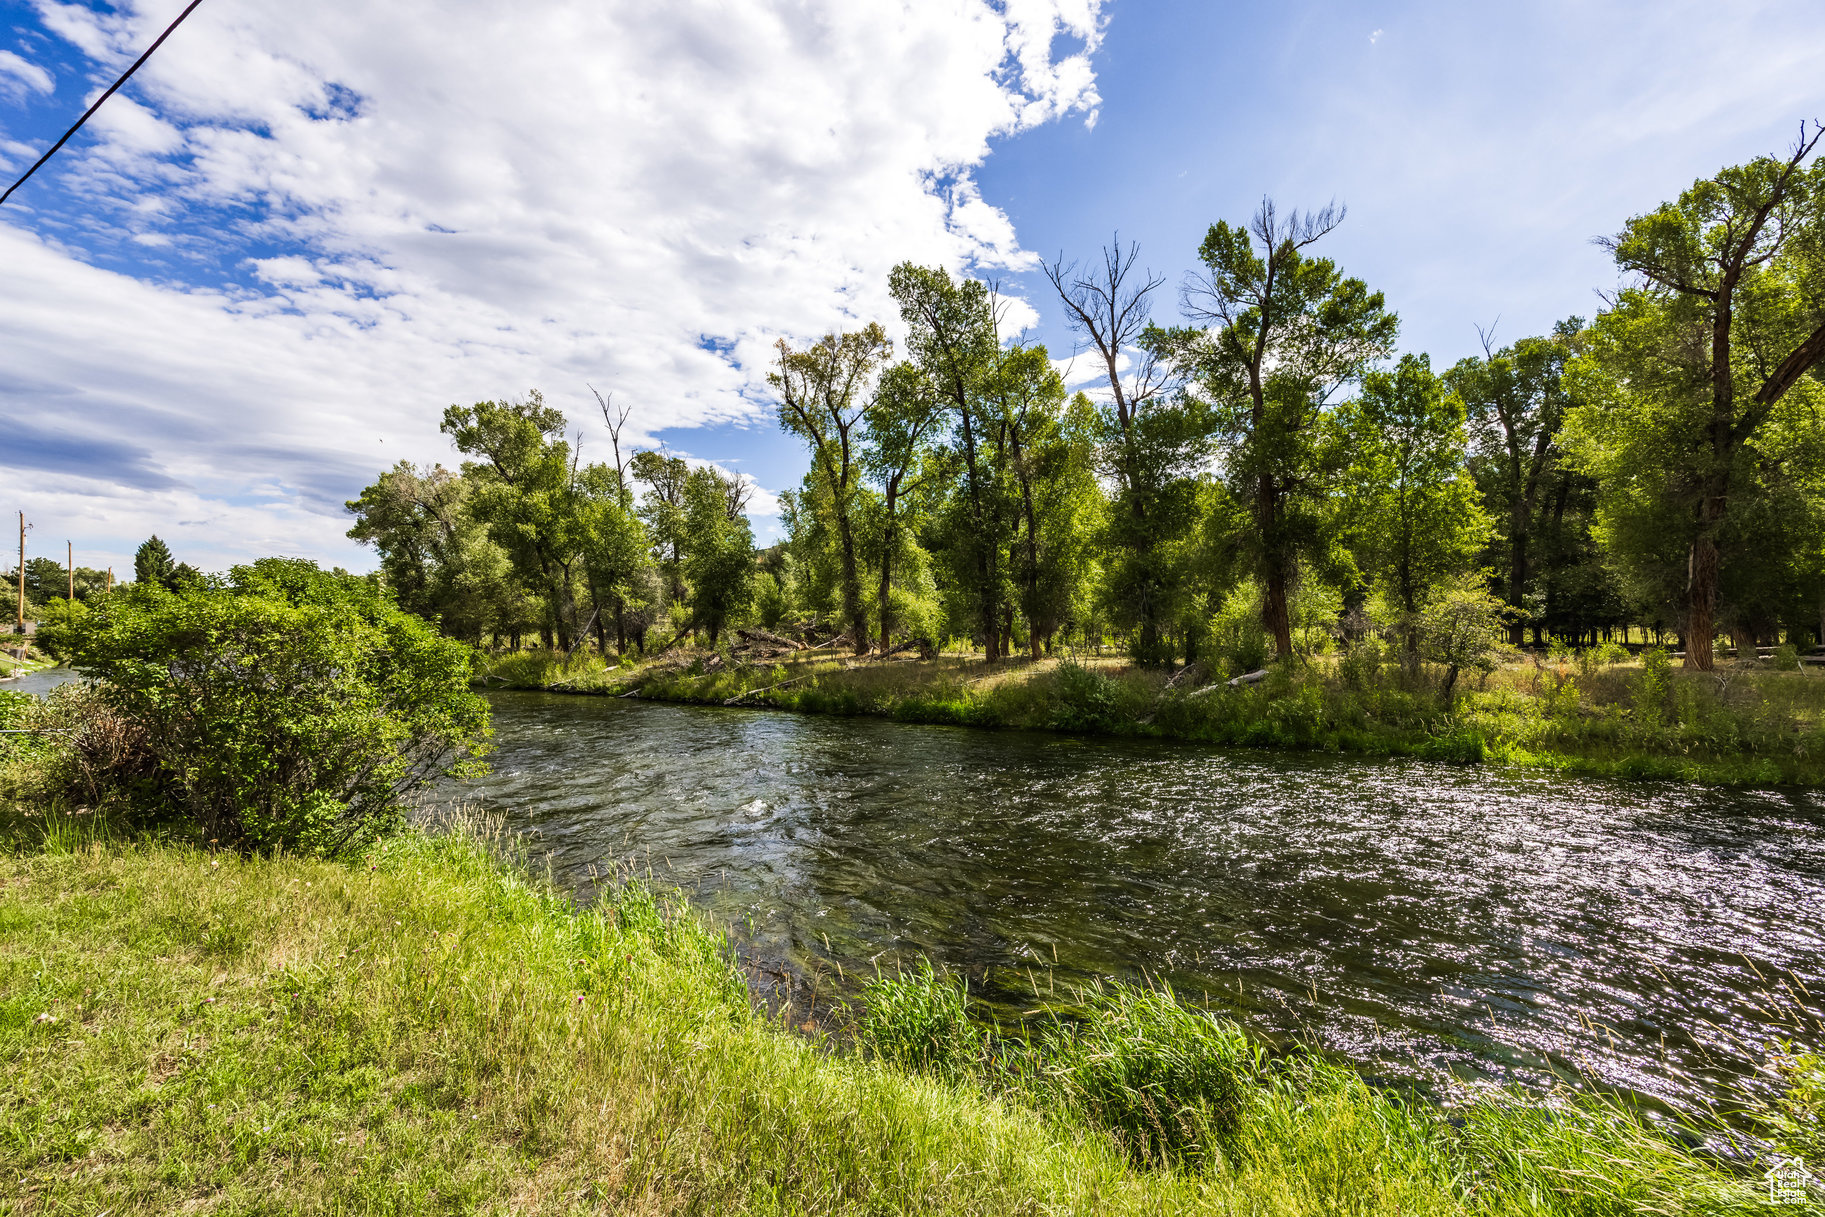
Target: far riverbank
1751,726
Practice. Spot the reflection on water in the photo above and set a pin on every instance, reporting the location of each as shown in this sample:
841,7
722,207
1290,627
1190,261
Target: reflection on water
1486,922
40,682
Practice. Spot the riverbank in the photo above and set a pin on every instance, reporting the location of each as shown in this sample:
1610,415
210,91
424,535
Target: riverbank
429,1029
1750,726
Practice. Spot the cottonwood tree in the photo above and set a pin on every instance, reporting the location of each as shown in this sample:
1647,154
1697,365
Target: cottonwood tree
662,508
1420,522
435,554
526,493
953,339
1724,317
719,548
1276,332
1152,439
824,393
901,419
1515,401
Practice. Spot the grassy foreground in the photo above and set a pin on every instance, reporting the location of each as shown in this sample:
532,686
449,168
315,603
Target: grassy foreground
1605,715
430,1030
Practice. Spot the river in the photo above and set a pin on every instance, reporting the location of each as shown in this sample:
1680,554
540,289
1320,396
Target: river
1422,919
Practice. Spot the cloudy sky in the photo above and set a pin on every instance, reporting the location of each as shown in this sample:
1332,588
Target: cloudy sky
258,276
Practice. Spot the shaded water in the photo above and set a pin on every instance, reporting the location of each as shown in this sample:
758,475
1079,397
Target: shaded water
1485,922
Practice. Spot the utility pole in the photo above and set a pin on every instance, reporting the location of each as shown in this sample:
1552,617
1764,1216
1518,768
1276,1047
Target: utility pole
69,557
110,578
21,572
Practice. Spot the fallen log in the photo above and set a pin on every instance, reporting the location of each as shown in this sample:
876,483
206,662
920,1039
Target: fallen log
1180,674
772,639
1247,678
768,688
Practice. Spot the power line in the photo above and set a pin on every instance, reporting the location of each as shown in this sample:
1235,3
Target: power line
91,110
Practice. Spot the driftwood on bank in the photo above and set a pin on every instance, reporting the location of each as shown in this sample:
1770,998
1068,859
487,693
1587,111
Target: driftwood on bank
767,688
777,640
1182,673
1247,678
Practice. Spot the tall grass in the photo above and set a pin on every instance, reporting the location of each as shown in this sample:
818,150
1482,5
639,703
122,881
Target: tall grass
431,1029
1179,1089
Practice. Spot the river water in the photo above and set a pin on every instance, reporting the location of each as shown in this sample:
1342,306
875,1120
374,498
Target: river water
1419,918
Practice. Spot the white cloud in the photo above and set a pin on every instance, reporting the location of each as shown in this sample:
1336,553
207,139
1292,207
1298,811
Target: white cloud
1374,37
469,200
19,76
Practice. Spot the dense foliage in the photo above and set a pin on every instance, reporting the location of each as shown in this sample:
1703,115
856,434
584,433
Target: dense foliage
285,706
1264,478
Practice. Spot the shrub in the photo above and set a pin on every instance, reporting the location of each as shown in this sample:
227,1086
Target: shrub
1786,658
1654,688
1237,636
1360,667
286,707
1086,699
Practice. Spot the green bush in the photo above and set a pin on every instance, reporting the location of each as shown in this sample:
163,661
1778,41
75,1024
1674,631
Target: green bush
285,707
1085,698
1654,688
1786,658
1237,635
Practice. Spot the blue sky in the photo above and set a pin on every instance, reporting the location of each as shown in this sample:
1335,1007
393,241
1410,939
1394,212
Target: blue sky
268,265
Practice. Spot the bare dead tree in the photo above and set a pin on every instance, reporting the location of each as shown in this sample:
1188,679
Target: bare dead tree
615,420
1110,308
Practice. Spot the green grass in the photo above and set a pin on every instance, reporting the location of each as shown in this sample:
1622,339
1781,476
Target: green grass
1736,727
431,1029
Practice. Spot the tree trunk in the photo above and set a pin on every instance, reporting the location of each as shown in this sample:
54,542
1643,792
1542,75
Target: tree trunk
1278,620
883,599
1701,603
852,586
1274,613
1517,576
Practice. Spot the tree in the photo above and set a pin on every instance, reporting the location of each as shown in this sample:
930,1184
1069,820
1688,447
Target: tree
1420,519
662,508
901,418
435,555
615,551
152,562
1054,482
1515,401
1278,332
526,493
719,548
1152,439
1725,316
823,398
1461,629
953,340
